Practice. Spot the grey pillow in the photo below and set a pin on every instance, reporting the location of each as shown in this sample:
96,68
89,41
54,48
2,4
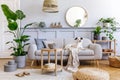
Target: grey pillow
40,44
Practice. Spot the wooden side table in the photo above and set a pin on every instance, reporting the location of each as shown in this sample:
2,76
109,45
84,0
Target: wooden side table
55,52
110,46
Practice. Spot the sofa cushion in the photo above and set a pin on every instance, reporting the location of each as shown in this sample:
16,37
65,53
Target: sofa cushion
86,52
52,58
86,42
38,53
40,44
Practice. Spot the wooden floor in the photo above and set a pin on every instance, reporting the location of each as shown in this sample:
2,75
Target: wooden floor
104,64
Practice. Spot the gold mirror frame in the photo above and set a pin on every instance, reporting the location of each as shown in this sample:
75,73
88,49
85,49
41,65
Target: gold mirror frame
76,15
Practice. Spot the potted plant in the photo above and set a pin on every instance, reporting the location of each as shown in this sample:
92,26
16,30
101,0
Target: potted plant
107,22
77,23
20,40
97,32
109,25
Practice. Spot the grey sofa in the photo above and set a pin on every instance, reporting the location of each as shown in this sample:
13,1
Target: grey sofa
92,51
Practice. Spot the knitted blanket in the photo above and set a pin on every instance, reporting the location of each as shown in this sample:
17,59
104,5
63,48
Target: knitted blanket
73,60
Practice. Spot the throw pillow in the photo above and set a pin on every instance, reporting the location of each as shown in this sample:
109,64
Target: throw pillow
40,44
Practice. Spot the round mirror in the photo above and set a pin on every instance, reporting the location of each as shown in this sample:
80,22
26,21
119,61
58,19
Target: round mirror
76,16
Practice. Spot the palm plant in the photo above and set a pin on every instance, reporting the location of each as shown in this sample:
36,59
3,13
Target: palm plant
20,40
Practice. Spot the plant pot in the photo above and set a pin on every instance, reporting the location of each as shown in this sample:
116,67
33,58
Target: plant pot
104,38
21,61
42,24
106,24
51,46
96,37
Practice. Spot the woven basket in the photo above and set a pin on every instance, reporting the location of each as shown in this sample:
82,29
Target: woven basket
114,61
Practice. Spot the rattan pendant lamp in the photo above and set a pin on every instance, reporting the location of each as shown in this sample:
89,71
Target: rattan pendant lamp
50,6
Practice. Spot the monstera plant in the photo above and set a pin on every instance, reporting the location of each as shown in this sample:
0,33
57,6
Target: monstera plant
20,40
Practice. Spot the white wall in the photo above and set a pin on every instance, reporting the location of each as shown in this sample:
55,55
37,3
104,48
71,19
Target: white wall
5,37
95,8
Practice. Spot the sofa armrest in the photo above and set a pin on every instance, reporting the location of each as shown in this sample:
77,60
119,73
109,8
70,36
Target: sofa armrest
31,51
97,50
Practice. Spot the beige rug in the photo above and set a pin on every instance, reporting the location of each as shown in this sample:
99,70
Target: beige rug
35,74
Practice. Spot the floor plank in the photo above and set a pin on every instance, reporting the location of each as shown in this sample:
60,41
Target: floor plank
104,64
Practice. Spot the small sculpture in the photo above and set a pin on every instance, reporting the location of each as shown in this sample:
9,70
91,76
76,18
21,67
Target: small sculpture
51,25
59,25
56,25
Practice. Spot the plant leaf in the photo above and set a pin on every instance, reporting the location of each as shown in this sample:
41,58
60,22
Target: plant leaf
24,36
12,26
8,13
8,42
11,32
25,44
20,14
28,25
25,40
11,48
17,40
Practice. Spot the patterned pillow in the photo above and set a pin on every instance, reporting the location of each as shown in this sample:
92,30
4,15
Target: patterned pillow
40,44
